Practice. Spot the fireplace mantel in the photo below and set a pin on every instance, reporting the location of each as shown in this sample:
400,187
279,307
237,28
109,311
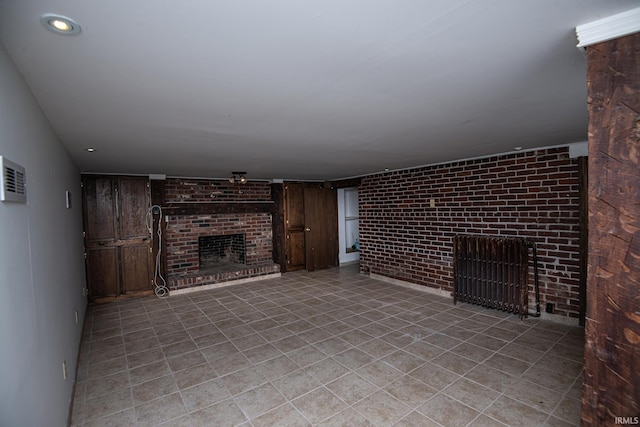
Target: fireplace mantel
202,208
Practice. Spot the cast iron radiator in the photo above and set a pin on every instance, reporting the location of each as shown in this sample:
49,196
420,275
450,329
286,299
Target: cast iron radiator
494,272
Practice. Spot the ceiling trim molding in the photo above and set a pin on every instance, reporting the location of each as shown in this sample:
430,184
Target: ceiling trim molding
466,159
612,27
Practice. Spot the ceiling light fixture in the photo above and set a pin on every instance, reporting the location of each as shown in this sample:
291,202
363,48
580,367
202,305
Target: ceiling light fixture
91,149
59,24
238,178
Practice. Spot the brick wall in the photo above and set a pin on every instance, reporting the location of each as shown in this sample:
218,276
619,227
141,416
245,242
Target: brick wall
531,194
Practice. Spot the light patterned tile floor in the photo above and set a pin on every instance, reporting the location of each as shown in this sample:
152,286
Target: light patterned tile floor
328,348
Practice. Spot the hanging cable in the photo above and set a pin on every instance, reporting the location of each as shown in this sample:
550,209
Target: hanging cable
160,283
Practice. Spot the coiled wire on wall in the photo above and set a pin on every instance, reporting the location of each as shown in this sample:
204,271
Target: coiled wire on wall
160,283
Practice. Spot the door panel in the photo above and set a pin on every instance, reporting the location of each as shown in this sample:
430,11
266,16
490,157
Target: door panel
294,226
135,265
294,196
102,272
330,249
313,232
295,250
99,209
133,202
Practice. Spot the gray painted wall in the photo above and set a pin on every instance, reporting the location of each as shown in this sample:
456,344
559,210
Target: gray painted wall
41,265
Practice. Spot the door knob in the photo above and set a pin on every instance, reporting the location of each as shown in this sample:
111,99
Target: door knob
307,229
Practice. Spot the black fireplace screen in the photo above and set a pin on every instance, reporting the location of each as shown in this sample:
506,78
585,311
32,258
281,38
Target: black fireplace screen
214,251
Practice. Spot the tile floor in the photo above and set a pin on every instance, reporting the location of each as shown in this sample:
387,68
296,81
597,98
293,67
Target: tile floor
328,348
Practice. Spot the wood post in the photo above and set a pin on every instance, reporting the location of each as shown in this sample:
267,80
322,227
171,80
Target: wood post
611,392
278,226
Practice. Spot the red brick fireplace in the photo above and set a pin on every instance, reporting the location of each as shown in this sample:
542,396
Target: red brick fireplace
200,209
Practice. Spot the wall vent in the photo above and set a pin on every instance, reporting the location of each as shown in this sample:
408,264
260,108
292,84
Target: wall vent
13,182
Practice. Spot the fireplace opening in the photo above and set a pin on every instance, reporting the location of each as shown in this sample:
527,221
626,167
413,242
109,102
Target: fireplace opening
221,253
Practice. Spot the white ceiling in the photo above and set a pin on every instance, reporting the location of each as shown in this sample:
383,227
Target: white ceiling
296,89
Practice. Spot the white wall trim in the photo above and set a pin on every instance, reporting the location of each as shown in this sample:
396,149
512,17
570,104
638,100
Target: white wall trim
611,27
343,256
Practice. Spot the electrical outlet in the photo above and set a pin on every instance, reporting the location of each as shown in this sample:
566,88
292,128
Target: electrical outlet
64,369
432,203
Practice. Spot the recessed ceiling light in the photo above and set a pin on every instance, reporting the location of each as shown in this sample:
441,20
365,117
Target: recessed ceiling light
517,148
91,150
59,24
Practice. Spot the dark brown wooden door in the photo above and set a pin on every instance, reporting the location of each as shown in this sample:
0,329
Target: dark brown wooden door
321,228
294,226
116,237
311,227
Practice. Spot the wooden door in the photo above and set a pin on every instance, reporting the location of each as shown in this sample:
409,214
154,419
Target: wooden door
294,226
99,211
117,241
321,228
133,200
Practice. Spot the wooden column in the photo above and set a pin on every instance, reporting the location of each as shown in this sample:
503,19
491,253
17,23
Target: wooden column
583,173
278,226
157,198
612,349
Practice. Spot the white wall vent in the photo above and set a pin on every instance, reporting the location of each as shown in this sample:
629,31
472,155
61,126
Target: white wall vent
13,182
